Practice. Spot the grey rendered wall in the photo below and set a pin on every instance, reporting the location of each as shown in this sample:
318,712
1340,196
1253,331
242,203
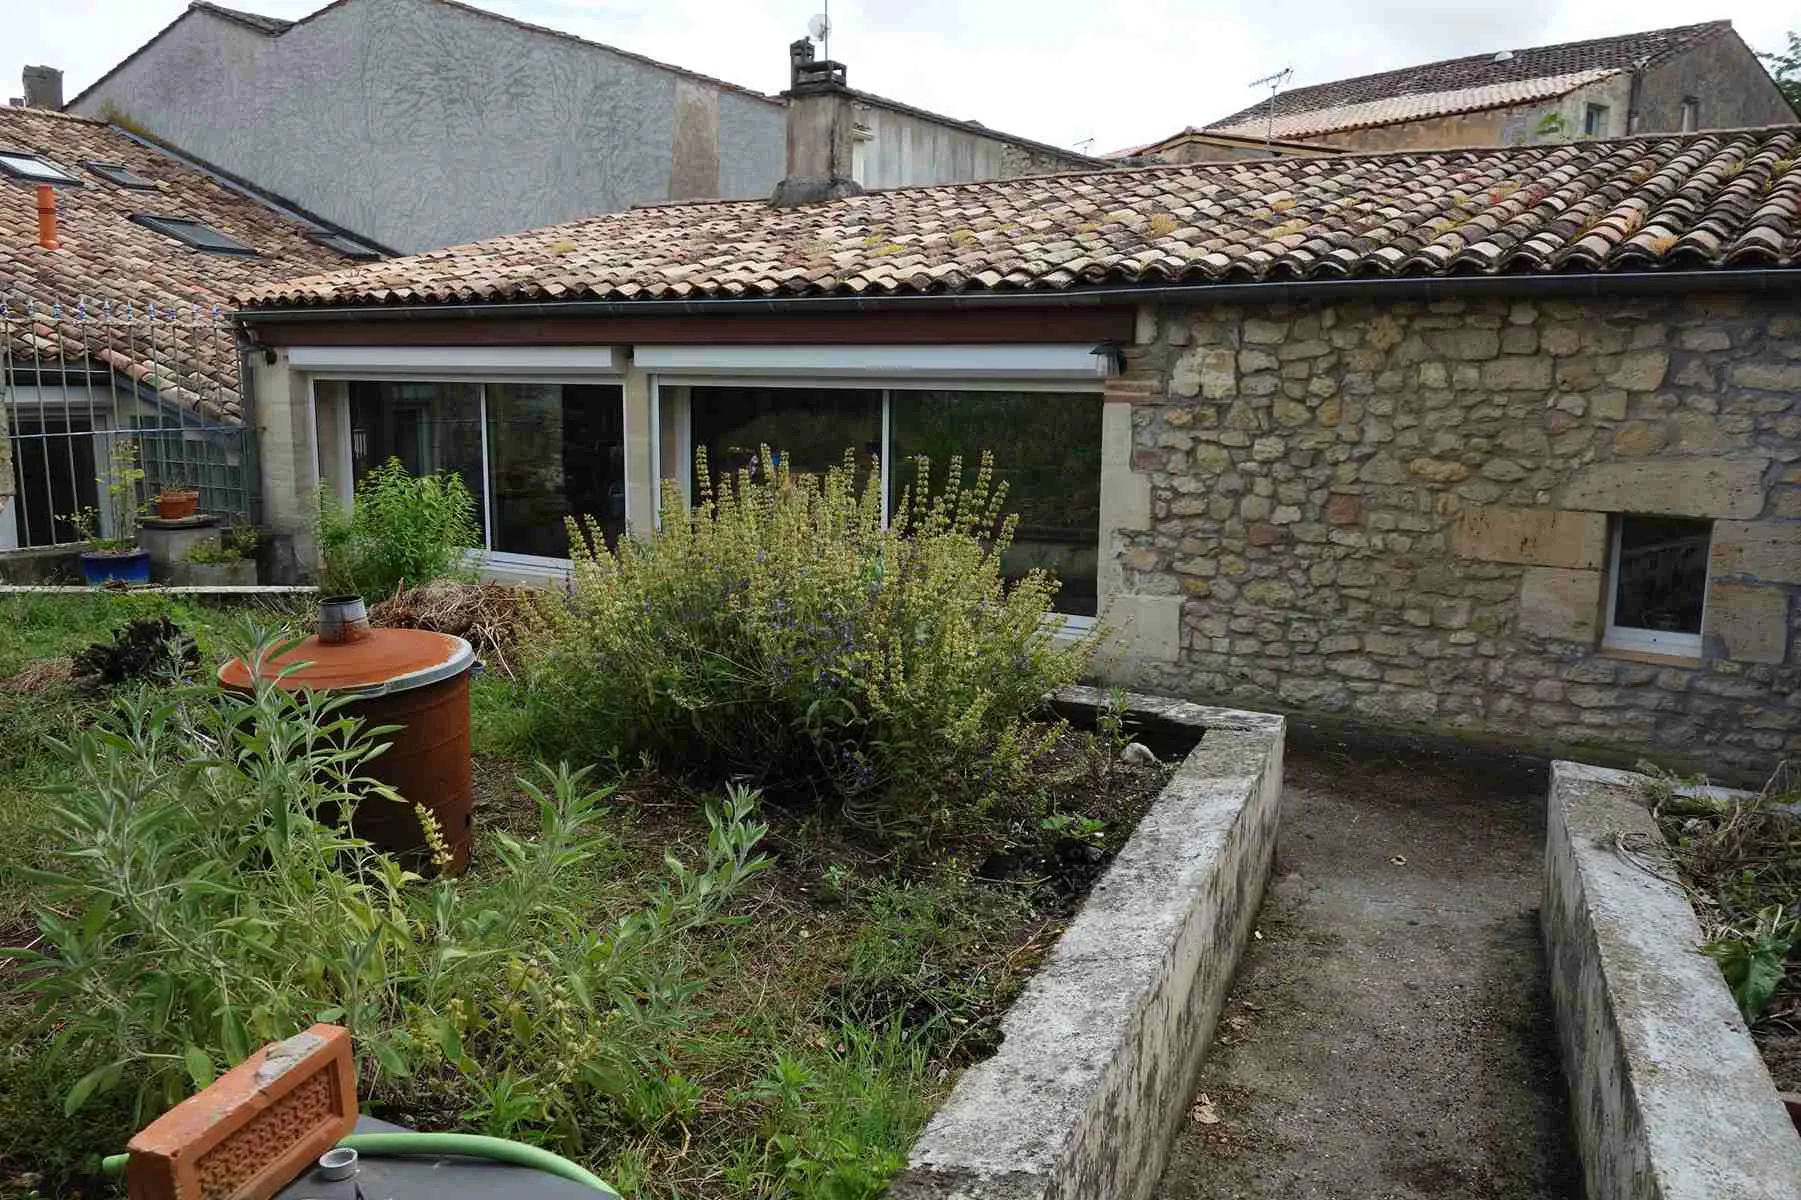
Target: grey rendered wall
905,150
423,125
1734,89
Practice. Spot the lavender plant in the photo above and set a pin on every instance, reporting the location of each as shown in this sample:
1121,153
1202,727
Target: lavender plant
781,630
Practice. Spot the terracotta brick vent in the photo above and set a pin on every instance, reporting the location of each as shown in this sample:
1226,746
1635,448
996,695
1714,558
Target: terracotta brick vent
255,1129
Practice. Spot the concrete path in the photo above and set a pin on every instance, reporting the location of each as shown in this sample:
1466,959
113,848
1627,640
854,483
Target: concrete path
1389,1034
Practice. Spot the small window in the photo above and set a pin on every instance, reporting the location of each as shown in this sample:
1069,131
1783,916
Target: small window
1658,584
195,234
33,168
1691,114
348,246
1594,120
118,173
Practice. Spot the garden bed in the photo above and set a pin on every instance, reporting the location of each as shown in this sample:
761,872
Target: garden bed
1738,855
811,1030
1669,1094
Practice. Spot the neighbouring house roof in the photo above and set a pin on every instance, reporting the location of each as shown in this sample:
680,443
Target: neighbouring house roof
1457,85
1075,158
256,21
1215,137
109,263
1717,200
275,27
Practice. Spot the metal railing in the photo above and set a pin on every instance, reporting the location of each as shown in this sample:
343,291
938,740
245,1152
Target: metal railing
78,379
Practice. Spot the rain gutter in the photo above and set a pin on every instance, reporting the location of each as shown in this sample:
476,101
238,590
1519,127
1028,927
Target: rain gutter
1370,288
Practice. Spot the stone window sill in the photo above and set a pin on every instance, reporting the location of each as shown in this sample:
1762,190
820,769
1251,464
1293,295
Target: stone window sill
1655,660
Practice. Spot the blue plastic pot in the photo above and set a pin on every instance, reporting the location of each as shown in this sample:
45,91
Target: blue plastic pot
97,567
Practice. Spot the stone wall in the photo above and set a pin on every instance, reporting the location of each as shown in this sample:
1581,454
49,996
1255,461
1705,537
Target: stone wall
1399,512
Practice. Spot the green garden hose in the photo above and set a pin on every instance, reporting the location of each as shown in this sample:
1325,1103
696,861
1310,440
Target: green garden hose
468,1145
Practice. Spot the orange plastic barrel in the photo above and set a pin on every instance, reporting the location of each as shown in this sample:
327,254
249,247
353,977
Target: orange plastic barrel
407,677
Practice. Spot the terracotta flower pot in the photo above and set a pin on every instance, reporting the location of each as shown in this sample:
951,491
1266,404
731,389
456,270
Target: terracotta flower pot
174,505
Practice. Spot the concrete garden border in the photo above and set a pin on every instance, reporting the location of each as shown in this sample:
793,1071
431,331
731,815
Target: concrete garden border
1102,1050
1669,1096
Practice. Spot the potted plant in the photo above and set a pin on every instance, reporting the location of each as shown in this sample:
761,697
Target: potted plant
228,560
177,499
115,557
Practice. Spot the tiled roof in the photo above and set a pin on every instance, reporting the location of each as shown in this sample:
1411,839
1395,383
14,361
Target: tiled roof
1708,200
1250,141
1415,106
106,259
1465,84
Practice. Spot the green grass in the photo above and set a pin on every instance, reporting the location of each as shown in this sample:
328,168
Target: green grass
835,1011
44,626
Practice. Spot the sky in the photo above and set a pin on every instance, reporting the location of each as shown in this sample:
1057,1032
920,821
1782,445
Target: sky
1097,77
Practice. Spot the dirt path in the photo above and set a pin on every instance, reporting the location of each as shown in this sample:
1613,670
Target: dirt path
1389,1036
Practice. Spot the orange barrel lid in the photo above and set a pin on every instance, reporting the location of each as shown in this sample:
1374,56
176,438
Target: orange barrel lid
388,660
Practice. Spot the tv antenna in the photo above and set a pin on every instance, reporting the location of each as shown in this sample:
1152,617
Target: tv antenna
819,28
1275,83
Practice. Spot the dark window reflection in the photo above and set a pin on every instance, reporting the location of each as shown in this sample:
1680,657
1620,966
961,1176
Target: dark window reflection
1047,450
810,427
1662,581
427,426
554,451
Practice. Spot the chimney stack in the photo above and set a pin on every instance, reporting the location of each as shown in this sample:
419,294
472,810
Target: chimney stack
47,238
821,131
43,88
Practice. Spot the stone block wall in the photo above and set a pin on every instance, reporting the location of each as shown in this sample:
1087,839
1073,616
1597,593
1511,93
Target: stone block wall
1400,512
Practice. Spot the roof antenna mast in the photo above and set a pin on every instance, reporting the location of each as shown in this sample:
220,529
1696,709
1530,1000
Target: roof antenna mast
1275,83
819,28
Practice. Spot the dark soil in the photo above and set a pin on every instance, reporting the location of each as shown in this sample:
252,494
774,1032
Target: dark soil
1389,1036
1782,1051
816,861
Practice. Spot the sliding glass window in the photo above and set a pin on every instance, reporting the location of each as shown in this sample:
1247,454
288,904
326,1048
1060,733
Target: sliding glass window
555,450
1047,450
532,454
427,426
808,428
1046,447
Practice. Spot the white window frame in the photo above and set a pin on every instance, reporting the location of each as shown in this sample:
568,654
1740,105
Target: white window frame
1064,625
409,368
1648,641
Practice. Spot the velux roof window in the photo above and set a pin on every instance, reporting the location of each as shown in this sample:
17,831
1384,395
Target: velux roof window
118,173
348,246
33,168
194,233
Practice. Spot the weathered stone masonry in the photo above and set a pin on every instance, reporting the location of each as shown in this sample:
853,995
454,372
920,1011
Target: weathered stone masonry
1399,512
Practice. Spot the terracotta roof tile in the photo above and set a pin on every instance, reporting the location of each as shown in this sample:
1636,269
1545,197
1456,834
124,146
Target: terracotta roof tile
1413,106
1717,199
106,259
1467,84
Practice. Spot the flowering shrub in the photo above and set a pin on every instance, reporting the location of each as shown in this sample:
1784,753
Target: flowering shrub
778,630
